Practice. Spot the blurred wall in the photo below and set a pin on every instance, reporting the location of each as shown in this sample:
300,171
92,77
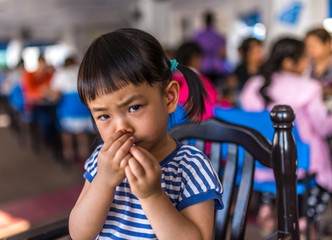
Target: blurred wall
77,23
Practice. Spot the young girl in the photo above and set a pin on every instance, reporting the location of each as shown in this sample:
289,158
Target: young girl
146,185
190,54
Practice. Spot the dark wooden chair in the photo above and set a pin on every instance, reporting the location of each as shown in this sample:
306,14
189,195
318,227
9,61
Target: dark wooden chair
280,156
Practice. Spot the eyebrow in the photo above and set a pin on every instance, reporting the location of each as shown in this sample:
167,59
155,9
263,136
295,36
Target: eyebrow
125,103
98,109
131,99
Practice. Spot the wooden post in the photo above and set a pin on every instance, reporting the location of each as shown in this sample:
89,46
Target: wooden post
284,161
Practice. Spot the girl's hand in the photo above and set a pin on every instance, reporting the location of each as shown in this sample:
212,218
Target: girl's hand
113,158
143,173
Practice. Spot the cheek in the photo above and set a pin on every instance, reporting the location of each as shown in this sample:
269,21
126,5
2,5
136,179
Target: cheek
153,124
105,132
315,51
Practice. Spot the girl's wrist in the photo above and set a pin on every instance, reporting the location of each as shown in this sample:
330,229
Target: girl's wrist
154,197
106,181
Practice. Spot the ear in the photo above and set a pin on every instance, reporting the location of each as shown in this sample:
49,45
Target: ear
172,96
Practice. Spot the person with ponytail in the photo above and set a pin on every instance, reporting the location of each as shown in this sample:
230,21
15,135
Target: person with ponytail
318,44
141,183
190,54
281,81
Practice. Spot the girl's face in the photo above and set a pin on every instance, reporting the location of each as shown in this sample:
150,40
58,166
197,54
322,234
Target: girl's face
140,110
317,49
255,53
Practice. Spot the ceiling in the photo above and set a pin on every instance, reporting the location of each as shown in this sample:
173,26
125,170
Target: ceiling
48,18
31,17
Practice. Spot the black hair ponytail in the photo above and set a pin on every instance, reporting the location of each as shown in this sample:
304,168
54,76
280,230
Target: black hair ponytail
267,70
195,105
282,49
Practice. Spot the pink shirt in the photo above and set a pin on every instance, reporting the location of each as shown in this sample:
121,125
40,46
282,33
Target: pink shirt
209,87
311,117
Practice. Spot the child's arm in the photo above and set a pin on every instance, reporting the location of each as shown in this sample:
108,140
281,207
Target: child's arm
144,176
90,211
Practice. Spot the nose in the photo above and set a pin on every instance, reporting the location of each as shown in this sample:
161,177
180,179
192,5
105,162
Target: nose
123,123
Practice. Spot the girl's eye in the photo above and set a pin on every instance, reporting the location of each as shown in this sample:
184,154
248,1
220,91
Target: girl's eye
134,108
103,117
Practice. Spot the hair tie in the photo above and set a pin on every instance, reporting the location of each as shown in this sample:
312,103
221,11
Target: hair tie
174,64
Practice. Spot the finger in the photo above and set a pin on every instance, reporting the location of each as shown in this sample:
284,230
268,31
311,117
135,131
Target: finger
145,158
130,176
136,168
123,151
124,161
108,143
117,144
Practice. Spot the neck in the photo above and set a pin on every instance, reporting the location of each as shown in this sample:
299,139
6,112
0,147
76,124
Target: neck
164,148
252,68
322,60
321,64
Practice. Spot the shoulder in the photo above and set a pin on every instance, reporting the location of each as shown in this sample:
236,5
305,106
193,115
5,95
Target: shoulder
253,84
90,165
193,163
186,151
250,96
310,89
199,181
185,159
307,87
310,84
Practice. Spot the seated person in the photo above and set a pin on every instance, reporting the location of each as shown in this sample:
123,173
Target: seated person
281,82
318,45
74,118
189,54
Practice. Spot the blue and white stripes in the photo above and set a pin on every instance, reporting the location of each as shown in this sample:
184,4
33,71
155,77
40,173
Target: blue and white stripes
188,178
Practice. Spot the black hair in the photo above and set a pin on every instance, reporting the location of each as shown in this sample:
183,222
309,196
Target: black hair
70,60
246,45
131,56
209,18
320,33
186,51
282,49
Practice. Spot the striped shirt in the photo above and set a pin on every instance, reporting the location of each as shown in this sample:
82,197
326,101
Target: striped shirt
188,178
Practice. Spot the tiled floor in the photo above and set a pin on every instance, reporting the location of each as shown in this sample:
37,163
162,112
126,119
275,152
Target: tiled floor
37,187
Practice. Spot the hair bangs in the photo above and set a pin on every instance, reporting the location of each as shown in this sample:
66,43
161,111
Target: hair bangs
104,70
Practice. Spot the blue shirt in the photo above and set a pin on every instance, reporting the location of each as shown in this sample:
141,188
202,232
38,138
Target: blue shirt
188,178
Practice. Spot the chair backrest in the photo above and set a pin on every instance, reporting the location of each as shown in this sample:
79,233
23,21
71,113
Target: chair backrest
16,98
280,156
71,106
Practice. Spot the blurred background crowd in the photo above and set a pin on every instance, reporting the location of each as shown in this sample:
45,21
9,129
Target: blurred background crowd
250,54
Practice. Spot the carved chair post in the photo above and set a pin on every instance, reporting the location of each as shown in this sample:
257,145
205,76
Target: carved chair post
284,161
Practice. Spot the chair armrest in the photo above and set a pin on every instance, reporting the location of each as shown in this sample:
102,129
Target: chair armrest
280,236
50,231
